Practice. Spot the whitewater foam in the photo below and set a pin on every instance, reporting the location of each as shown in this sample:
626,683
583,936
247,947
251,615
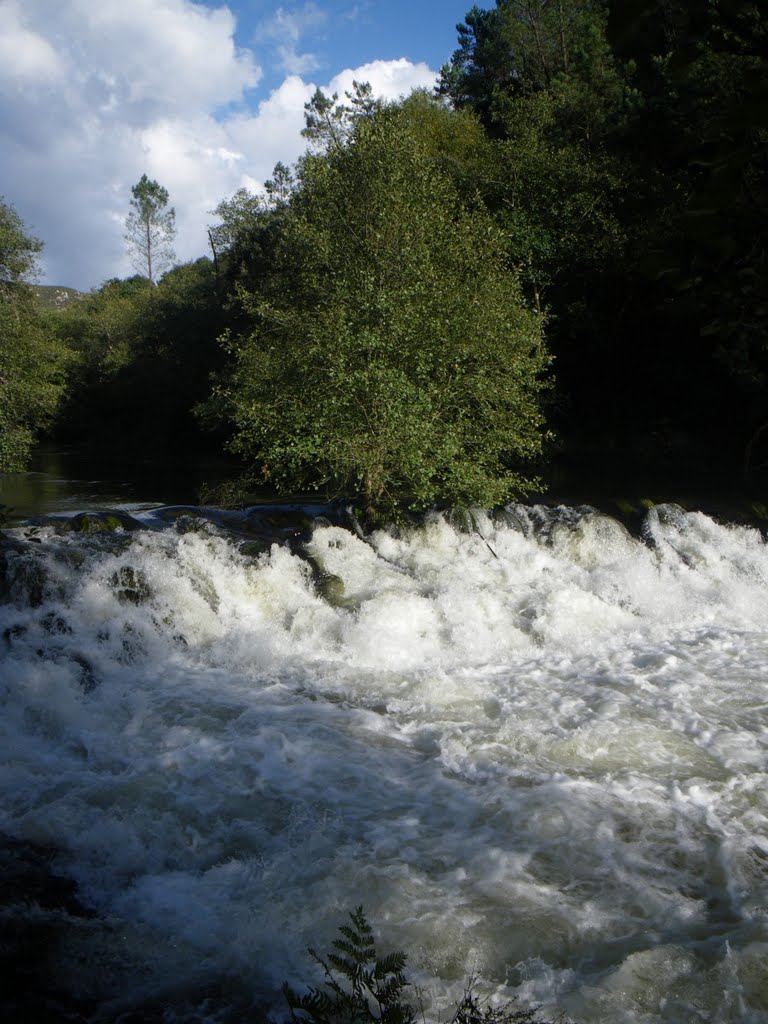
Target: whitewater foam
536,748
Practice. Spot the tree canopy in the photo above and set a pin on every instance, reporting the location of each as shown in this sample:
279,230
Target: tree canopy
591,171
32,364
391,352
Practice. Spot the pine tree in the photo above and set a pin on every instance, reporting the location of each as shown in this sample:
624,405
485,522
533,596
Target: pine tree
150,229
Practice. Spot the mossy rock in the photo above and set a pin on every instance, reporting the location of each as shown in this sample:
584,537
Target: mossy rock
254,548
172,513
100,522
22,577
331,589
130,585
327,585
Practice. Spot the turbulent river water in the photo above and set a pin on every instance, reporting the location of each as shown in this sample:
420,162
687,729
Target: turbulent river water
533,748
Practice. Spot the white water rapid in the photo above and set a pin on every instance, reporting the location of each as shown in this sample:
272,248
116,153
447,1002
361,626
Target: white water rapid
536,750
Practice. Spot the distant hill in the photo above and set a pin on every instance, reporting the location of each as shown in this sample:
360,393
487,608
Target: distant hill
53,296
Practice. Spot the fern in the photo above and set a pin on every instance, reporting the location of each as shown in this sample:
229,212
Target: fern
360,987
363,988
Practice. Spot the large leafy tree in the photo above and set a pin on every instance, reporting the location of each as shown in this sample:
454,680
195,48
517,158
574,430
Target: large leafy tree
390,351
32,362
150,229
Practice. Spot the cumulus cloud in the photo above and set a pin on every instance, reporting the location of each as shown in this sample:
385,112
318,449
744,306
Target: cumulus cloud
388,78
97,94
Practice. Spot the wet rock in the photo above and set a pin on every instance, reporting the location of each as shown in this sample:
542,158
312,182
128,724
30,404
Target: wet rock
512,519
665,516
12,633
131,645
22,574
331,589
37,907
327,585
254,548
461,519
87,675
54,624
130,585
100,522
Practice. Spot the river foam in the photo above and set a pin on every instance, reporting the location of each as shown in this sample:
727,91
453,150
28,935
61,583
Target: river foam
534,748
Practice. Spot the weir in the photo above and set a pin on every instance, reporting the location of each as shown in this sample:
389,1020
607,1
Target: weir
532,745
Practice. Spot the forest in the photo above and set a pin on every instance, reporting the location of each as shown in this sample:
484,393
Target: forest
556,263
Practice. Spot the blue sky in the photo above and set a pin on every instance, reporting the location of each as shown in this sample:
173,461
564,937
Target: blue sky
205,97
332,34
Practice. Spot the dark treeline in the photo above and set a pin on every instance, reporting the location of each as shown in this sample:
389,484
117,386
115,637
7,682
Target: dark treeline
559,256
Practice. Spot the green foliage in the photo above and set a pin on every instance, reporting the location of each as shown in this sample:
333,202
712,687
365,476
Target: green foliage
524,47
32,363
236,217
104,328
630,179
556,204
150,229
362,988
330,124
244,238
695,144
390,351
142,348
18,250
709,90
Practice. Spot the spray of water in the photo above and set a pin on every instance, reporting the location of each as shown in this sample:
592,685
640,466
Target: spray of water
534,748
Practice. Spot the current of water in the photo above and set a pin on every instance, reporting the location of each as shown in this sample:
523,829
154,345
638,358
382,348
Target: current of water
534,749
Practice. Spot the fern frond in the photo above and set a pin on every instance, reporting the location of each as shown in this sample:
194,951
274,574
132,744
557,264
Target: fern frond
392,963
360,921
349,968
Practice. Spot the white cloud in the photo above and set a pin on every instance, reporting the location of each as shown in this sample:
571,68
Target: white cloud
286,29
105,92
388,78
24,54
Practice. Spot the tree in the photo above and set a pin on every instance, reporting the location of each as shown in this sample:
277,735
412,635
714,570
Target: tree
330,124
390,351
32,362
150,229
524,47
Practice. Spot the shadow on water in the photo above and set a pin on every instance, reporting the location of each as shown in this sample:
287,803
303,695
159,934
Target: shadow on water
68,480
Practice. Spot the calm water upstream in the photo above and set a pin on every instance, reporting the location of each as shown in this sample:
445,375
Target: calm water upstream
536,750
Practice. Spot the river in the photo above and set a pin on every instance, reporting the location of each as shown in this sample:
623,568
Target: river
531,745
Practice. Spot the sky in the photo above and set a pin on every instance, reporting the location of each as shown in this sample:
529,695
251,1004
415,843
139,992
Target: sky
203,97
